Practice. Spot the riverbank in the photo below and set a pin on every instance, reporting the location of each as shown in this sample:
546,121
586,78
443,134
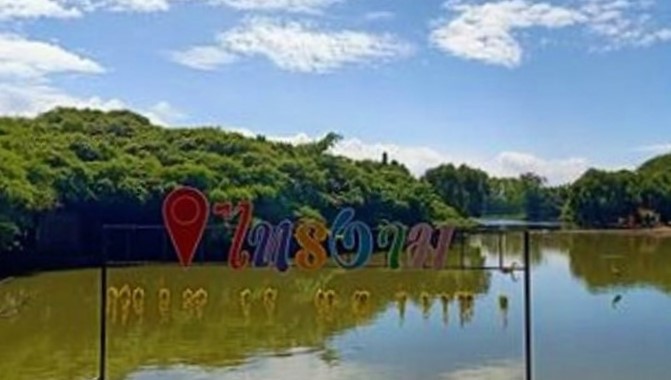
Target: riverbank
661,232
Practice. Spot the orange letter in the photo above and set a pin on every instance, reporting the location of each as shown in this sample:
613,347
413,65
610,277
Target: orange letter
310,236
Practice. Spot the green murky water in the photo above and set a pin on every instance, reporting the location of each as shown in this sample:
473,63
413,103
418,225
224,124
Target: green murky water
601,310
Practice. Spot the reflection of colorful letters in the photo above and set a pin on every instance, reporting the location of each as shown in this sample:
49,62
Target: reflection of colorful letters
193,302
123,299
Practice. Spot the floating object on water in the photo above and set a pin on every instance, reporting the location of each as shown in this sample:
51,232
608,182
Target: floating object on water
503,302
511,270
616,300
503,307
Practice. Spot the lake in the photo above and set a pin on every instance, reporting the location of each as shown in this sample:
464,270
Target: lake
601,310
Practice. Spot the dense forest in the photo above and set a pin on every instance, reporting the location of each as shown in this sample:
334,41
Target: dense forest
116,167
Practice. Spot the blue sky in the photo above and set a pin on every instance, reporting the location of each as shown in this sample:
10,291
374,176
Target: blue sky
507,85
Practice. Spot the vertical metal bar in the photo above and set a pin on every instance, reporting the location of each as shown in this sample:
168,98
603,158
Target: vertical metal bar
463,248
103,309
527,307
501,263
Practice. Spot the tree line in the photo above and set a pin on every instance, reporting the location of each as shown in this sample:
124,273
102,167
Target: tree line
116,167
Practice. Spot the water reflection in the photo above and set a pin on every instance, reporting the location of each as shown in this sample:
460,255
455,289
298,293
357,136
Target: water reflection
499,370
596,298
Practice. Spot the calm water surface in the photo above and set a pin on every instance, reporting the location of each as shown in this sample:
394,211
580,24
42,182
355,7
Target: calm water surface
601,304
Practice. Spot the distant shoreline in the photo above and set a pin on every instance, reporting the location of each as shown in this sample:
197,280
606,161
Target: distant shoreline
558,227
652,232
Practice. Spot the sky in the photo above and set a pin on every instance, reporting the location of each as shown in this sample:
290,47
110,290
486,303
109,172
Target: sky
510,86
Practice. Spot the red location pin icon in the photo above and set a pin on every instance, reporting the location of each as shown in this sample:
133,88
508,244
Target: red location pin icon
185,214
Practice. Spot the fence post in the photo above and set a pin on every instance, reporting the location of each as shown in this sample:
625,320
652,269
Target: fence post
527,307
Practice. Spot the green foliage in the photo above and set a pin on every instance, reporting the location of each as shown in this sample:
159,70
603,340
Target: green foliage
601,198
657,165
467,189
115,167
472,192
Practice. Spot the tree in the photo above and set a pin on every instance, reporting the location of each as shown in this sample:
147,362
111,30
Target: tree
464,188
604,199
116,167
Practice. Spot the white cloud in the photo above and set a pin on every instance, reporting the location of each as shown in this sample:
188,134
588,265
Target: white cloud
486,32
655,148
299,363
29,100
416,158
23,9
20,57
204,57
556,171
32,99
305,6
164,113
136,5
419,158
500,370
294,46
26,67
379,16
490,32
624,23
